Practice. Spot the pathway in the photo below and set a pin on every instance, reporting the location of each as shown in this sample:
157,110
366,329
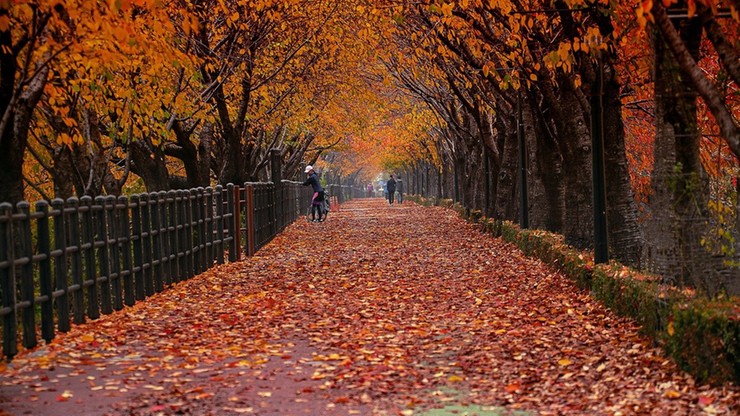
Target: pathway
378,311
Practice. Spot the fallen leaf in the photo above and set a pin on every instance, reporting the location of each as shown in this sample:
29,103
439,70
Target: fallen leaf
672,394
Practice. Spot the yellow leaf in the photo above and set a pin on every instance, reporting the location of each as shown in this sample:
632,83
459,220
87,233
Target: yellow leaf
533,77
564,362
671,330
317,375
265,394
672,394
88,338
454,379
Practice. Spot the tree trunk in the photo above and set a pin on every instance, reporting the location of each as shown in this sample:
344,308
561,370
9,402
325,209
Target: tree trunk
505,202
578,227
679,182
14,138
625,238
548,170
149,163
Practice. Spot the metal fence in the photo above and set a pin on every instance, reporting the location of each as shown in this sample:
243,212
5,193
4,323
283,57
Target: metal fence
66,261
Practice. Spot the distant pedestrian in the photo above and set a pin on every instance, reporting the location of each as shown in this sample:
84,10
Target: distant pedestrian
370,190
399,189
390,186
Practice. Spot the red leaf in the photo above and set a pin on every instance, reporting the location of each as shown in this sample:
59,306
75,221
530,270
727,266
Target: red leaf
705,400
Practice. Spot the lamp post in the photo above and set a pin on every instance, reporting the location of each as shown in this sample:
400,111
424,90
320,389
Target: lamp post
601,245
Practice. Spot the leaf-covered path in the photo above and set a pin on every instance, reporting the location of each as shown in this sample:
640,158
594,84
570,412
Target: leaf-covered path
378,311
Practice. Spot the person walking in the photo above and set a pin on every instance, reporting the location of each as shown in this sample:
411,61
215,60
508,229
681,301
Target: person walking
370,190
399,189
318,193
390,186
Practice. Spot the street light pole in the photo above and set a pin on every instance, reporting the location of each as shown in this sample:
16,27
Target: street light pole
601,246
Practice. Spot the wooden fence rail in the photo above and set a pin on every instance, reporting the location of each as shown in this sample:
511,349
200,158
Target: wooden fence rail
68,261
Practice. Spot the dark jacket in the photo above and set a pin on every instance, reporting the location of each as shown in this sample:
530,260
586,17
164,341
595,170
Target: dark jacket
391,185
313,180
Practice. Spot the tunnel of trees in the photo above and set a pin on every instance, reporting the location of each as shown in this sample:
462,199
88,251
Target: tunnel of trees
467,99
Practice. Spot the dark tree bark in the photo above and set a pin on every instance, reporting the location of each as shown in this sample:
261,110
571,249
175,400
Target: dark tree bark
680,191
625,238
548,167
14,139
574,143
506,182
149,163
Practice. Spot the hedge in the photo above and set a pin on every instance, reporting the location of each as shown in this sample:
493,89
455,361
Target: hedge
702,335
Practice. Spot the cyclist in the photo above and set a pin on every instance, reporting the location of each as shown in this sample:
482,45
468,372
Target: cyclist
318,193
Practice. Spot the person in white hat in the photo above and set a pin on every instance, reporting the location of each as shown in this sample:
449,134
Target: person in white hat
318,193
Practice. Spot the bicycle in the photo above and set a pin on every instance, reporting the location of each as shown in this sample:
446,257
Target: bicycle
324,207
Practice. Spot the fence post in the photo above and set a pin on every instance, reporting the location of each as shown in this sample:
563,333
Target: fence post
194,232
28,317
249,212
146,233
172,224
257,213
115,254
7,281
60,265
77,288
272,210
91,275
202,231
138,247
231,209
156,233
219,225
45,286
103,257
208,226
164,239
186,237
189,237
237,224
128,271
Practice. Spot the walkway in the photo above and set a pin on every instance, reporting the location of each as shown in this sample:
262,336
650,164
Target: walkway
378,311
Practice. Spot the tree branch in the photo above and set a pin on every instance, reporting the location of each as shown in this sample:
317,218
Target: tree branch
727,124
